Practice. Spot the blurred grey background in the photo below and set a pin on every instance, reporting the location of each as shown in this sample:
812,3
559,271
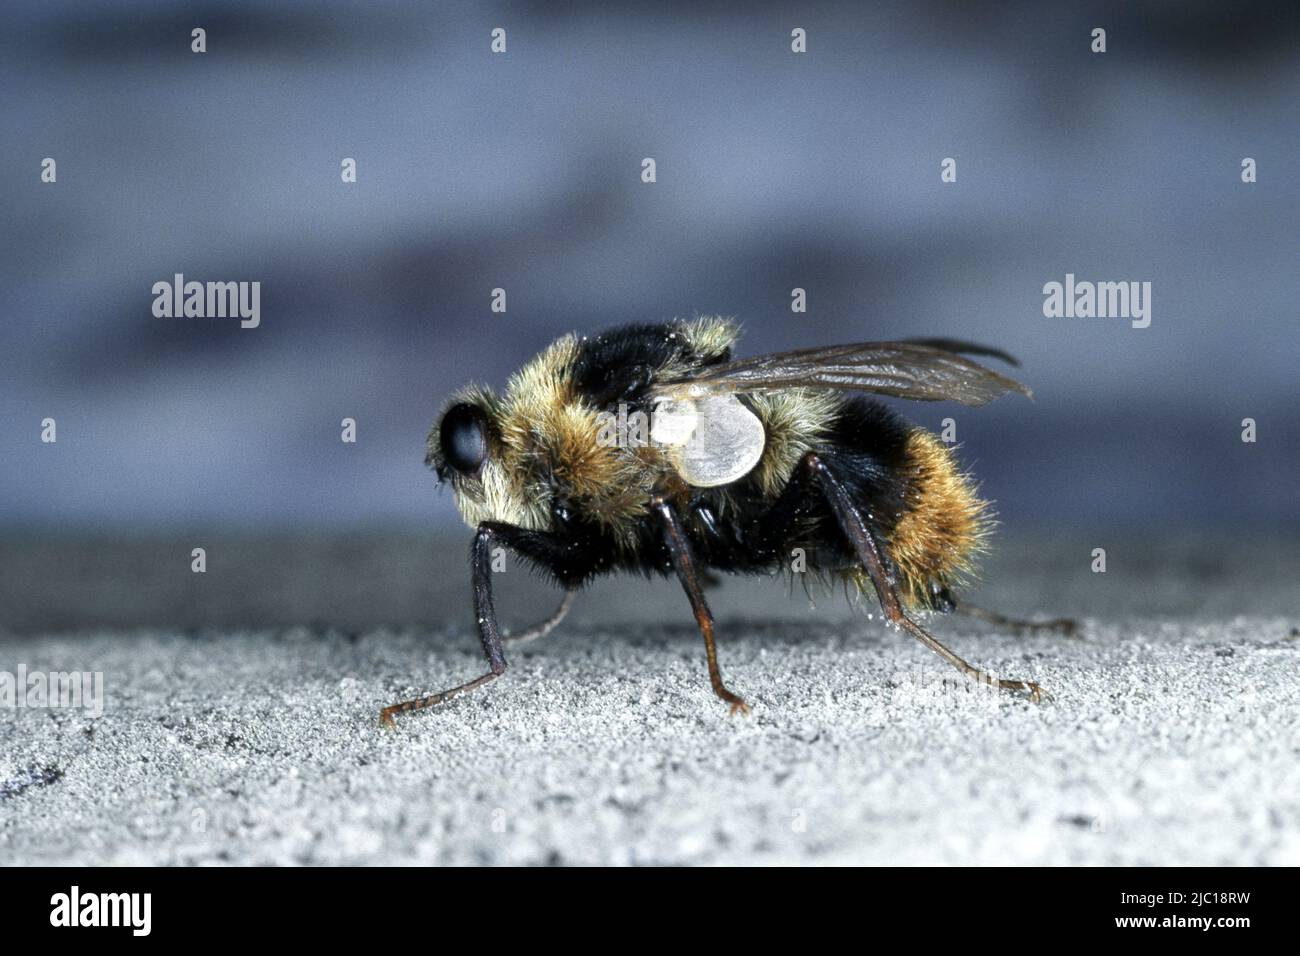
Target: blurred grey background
522,171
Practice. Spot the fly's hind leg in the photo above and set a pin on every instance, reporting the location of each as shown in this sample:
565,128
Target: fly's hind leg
679,550
855,529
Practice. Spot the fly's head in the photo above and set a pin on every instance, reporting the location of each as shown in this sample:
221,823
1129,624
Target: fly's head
468,450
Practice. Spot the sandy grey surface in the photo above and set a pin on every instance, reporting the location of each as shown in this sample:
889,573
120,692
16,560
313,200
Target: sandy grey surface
1171,736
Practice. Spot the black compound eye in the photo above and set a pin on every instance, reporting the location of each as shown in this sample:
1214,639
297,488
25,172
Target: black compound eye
463,437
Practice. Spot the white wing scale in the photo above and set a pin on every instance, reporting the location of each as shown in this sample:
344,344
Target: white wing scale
711,441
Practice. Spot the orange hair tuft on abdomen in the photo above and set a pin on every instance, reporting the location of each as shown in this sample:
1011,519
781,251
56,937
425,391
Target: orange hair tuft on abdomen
944,521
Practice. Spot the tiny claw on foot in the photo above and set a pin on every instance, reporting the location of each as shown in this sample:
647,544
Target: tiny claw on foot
738,705
1036,693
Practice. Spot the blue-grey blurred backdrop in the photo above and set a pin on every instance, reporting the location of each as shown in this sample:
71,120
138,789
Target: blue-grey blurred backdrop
522,171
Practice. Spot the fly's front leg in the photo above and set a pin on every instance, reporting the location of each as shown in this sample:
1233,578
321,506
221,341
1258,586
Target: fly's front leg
488,632
855,529
679,550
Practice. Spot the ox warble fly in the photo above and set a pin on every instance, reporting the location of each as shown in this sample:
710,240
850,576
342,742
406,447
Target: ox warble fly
749,460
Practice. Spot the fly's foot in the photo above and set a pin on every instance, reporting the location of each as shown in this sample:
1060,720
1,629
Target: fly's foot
1036,693
738,705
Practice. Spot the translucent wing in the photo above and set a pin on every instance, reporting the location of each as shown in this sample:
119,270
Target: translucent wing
927,371
966,348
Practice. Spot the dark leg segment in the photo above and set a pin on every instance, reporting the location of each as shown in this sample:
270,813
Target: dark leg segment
855,528
679,549
488,632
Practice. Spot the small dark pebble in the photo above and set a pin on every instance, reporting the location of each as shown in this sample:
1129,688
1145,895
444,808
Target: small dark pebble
28,778
1078,820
